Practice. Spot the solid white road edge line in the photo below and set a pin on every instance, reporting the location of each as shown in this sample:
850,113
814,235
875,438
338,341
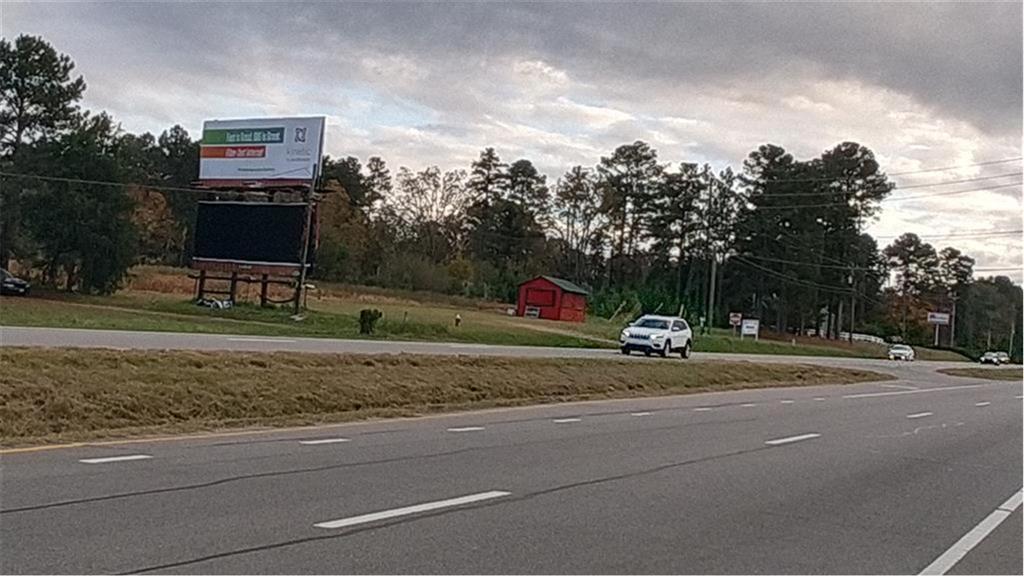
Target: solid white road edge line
640,414
466,429
919,415
323,441
957,551
393,513
565,420
115,459
275,340
982,403
780,441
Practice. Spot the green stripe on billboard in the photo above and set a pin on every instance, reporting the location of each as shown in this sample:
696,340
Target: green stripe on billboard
243,136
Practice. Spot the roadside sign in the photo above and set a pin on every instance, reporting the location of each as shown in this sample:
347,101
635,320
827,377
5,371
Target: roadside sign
938,318
735,318
750,327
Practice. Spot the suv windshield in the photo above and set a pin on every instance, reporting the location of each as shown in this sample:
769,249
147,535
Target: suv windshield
900,348
652,323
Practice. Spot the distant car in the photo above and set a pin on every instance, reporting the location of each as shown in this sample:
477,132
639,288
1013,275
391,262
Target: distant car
11,284
1004,358
901,352
990,358
657,335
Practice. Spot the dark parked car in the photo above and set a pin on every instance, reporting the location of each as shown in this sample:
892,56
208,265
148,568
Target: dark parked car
13,285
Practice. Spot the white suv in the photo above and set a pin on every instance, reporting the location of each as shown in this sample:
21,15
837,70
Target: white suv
660,334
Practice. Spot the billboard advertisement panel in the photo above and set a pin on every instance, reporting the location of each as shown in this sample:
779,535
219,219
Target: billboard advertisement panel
261,149
252,232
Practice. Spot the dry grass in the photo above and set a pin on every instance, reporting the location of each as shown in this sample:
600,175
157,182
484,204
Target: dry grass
49,395
1008,374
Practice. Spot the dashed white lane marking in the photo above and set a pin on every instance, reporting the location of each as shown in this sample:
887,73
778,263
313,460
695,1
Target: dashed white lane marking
919,415
640,414
957,551
115,459
702,409
780,441
323,441
900,386
273,340
785,401
982,403
748,405
1018,397
466,429
565,420
819,399
918,391
395,512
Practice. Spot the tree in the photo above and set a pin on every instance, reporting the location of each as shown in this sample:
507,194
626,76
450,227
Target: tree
488,177
576,210
38,101
83,231
528,189
628,181
377,184
178,166
916,266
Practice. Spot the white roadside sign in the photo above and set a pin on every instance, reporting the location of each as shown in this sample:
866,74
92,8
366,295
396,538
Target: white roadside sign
750,327
261,149
938,318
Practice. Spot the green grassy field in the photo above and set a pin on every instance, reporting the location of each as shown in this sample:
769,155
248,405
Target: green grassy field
51,395
158,299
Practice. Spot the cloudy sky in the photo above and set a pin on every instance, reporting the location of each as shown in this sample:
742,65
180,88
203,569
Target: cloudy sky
924,85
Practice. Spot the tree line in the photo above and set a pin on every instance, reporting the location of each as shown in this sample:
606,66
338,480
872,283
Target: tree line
781,239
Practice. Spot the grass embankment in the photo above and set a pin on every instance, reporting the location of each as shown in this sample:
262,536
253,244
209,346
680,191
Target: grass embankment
63,395
158,299
1008,374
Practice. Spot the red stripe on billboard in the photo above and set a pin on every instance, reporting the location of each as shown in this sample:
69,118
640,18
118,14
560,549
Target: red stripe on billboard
233,151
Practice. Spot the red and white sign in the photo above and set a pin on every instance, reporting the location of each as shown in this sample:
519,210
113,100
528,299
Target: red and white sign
735,318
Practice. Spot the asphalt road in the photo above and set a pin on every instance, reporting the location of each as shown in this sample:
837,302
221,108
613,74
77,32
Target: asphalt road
118,339
885,478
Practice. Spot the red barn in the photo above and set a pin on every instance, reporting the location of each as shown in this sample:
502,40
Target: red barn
552,299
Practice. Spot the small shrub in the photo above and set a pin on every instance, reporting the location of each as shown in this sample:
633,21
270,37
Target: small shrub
368,319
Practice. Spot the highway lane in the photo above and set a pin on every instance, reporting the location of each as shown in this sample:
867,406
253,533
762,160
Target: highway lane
863,478
138,340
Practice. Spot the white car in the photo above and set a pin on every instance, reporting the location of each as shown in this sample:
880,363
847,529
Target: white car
657,334
901,352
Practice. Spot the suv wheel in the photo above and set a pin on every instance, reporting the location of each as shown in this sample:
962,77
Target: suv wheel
685,352
666,348
624,350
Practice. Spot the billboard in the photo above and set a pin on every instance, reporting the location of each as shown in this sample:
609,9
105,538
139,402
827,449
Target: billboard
261,233
938,318
261,149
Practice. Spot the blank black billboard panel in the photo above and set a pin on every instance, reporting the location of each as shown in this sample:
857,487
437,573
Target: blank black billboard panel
251,232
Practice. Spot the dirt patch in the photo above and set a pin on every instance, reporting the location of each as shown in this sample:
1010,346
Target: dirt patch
50,395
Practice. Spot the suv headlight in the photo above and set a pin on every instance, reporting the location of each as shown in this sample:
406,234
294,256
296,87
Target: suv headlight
624,334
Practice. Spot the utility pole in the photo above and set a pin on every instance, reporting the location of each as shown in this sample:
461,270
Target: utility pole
853,304
711,292
952,321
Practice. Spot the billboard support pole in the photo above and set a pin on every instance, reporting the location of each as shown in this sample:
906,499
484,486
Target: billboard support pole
305,249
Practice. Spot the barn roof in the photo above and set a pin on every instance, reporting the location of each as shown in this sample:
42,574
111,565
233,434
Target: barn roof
565,285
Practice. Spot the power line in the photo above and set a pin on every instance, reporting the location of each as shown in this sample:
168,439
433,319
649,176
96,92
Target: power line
107,183
907,173
975,234
896,188
900,199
